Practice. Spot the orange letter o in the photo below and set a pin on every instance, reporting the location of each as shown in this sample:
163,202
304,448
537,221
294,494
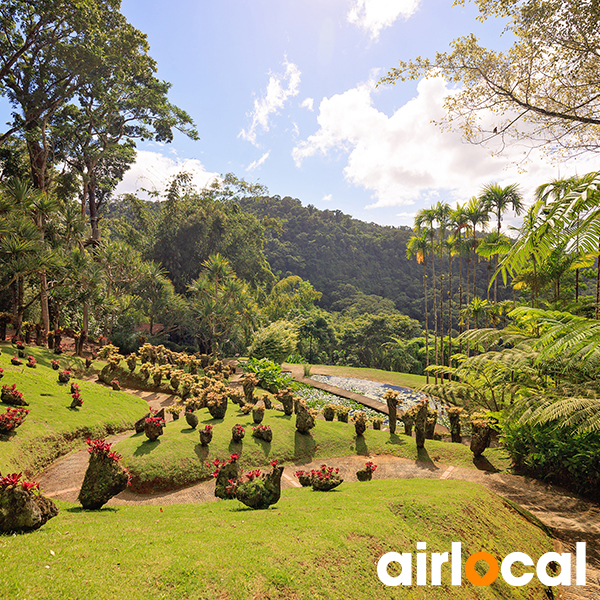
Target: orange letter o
473,576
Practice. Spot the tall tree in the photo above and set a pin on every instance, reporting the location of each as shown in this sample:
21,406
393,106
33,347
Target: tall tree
498,199
425,219
419,246
477,216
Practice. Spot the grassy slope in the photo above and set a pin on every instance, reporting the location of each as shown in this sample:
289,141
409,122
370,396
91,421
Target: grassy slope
177,458
52,428
309,545
391,377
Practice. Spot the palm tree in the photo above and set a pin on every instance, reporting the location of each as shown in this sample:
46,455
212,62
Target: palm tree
419,246
442,217
497,199
460,247
477,216
494,244
426,218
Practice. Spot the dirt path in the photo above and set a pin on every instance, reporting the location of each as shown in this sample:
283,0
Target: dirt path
570,518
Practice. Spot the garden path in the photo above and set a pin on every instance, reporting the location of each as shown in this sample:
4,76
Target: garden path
569,517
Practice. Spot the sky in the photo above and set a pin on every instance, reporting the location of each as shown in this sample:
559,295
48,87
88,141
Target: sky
285,93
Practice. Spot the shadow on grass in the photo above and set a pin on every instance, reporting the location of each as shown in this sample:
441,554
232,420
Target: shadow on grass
236,447
397,440
80,509
483,464
187,430
284,417
265,446
360,445
305,446
423,457
201,452
211,421
146,447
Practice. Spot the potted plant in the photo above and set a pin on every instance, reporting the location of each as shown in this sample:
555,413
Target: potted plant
342,413
237,433
206,435
263,432
366,474
360,422
153,427
174,411
77,399
325,479
15,361
116,386
31,362
64,376
12,418
377,423
258,413
305,478
329,412
11,395
55,365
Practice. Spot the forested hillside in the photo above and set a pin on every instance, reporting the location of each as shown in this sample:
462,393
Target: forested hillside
341,256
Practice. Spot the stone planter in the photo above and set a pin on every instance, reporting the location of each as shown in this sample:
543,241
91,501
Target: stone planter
360,427
262,492
480,438
304,420
76,403
153,431
104,479
192,419
24,510
329,413
262,433
324,485
377,424
364,475
237,434
64,377
258,414
305,480
217,410
342,417
205,436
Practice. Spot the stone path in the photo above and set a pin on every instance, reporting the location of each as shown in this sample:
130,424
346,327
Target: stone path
571,519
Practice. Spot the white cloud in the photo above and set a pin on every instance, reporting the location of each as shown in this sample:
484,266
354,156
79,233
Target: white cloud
152,171
327,198
257,163
273,100
404,159
375,15
308,103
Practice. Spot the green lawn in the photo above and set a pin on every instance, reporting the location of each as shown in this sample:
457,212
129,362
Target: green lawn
309,545
177,459
52,428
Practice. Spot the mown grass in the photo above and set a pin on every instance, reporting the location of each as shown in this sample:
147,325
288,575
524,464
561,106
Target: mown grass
390,377
177,459
52,428
309,545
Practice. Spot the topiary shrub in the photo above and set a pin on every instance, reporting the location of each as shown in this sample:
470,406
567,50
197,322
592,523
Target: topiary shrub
454,413
421,422
225,472
275,342
329,412
360,422
325,479
305,421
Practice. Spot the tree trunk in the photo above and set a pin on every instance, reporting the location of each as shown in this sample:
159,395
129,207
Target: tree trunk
426,322
450,312
435,316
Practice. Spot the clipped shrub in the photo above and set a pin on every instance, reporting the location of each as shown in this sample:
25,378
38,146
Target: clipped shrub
206,435
366,474
258,490
305,421
325,478
342,413
12,418
275,342
191,419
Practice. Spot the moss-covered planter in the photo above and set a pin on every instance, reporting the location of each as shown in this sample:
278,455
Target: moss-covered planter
206,435
191,419
258,414
104,479
454,413
237,433
263,432
261,492
481,434
329,412
24,509
364,475
304,419
217,409
286,397
391,398
153,431
325,479
421,423
228,471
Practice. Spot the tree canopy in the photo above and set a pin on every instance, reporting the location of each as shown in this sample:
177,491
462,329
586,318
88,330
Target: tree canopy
543,89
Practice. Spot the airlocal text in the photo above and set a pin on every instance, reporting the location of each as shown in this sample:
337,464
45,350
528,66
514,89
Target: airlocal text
495,567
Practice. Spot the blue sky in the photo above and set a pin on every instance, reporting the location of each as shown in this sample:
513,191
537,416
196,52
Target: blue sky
283,92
